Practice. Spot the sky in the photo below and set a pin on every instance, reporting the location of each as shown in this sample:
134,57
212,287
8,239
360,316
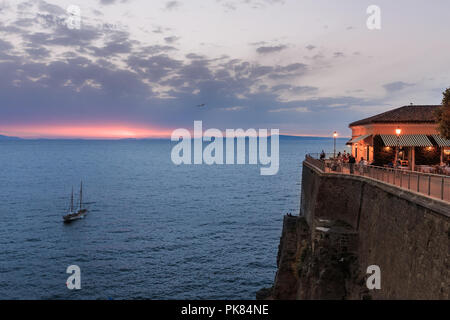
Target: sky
136,68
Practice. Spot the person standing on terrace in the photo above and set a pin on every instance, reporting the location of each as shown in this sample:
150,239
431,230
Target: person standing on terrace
322,155
351,162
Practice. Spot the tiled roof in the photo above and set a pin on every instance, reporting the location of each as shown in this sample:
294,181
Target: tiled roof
412,113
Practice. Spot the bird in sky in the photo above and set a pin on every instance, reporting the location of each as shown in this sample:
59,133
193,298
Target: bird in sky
201,105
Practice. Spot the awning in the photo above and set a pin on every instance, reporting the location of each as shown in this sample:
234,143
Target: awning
442,142
406,140
355,140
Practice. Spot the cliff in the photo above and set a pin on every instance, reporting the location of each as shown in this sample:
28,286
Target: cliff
348,223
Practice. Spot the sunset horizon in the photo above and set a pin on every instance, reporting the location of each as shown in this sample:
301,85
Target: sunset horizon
110,133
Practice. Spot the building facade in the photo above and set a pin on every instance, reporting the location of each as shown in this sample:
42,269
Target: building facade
408,134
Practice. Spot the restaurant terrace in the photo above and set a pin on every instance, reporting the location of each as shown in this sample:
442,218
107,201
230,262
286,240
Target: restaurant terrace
406,137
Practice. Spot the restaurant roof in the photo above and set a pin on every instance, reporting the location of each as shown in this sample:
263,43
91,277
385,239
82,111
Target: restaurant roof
407,140
412,113
441,142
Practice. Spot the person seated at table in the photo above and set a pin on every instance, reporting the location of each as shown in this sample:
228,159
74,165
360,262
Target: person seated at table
345,157
362,164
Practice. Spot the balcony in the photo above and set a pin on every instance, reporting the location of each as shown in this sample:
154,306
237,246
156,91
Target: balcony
432,185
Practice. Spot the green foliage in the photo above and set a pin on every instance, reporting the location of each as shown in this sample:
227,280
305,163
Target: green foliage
443,115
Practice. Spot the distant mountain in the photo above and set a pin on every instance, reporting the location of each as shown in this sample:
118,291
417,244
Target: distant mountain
3,138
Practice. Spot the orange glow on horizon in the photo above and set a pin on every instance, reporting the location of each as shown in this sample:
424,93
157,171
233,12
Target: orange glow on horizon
85,132
92,131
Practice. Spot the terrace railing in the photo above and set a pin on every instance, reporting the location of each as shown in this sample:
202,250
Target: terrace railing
432,185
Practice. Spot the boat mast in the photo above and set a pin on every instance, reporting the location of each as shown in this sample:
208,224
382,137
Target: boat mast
71,201
81,193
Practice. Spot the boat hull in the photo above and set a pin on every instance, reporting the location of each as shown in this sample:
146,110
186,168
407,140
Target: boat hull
74,216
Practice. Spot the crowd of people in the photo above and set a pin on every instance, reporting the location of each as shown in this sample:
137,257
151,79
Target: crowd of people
344,158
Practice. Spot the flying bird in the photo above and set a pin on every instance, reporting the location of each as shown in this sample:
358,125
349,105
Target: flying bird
201,105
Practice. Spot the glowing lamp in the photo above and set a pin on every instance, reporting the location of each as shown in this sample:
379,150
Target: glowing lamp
398,131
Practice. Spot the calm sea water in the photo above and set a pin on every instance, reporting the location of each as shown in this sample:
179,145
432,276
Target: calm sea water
155,230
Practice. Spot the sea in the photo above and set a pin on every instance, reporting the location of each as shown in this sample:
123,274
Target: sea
154,230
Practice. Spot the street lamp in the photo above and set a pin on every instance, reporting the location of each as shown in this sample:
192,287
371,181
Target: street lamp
398,131
334,137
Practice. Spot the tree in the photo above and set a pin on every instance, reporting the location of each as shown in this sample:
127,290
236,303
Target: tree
443,115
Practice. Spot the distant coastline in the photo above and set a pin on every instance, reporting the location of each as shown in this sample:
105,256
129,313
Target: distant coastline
9,138
282,137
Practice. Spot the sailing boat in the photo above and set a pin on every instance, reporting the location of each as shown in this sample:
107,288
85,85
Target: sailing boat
80,213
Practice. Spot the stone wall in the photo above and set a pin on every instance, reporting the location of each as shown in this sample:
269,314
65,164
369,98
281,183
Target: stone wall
406,234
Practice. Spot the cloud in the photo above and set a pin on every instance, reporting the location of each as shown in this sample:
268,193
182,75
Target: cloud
4,45
4,6
254,4
171,39
75,88
171,5
64,36
50,8
297,90
108,2
318,56
155,49
114,44
296,109
290,71
153,68
53,74
235,108
396,86
270,49
37,53
310,47
194,56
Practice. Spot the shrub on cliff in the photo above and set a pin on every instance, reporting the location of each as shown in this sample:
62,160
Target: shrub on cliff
443,115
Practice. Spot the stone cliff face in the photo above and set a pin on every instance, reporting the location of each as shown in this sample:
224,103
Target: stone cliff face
349,223
317,265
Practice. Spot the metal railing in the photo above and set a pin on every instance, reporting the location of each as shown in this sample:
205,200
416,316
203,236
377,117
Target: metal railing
432,185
